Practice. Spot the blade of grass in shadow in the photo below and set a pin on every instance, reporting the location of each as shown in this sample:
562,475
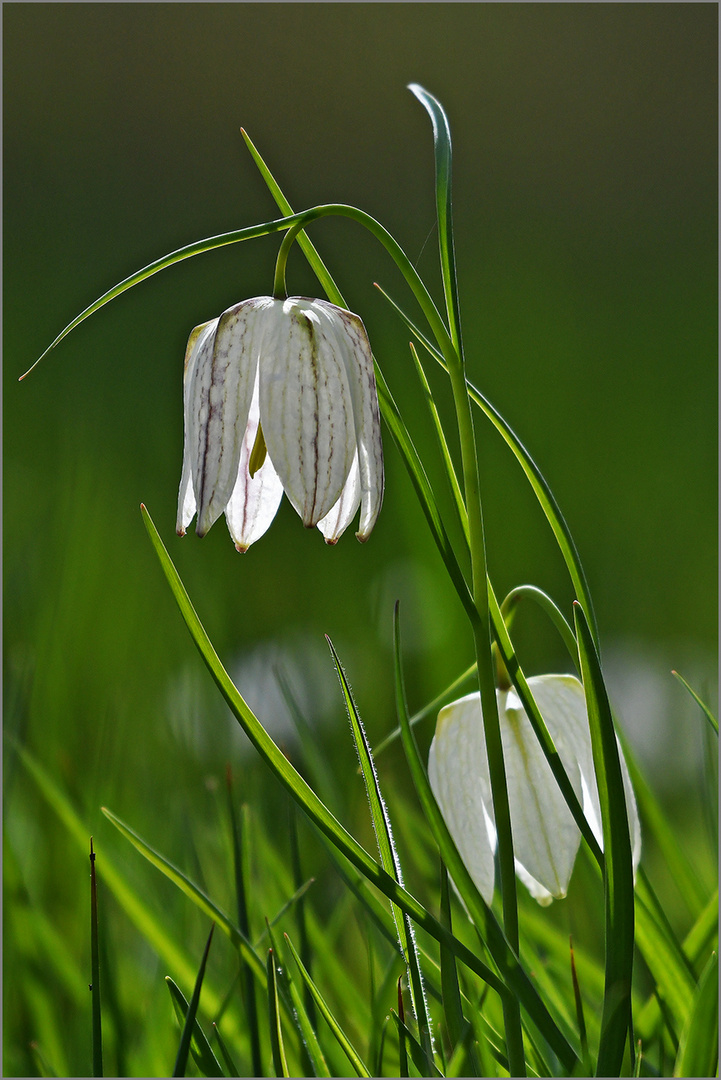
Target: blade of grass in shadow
305,950
401,1029
702,706
181,1060
515,978
618,877
341,1038
230,1067
303,794
239,833
200,1048
459,1028
276,1032
95,969
389,857
698,1047
585,1056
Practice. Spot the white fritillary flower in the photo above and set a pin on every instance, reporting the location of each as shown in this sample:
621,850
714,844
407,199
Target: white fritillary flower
280,395
545,836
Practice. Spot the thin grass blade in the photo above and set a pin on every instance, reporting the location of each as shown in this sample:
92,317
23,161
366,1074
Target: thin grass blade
389,856
702,705
239,833
95,969
280,1063
414,1048
200,1048
181,1060
230,1067
342,1039
618,878
698,1049
313,1057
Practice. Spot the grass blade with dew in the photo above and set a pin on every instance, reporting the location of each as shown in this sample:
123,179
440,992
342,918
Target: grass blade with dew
95,968
698,1048
314,1061
515,978
200,1048
239,834
618,876
181,1060
230,1067
704,708
297,786
389,857
323,1008
280,1063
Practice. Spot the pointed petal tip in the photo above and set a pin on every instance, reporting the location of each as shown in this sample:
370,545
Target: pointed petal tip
362,537
180,532
331,541
242,548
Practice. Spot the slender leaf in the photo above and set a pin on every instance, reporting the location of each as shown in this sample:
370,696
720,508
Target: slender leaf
181,1060
698,1049
342,1039
230,1066
239,831
417,1053
95,968
313,1056
200,1048
389,857
618,878
704,708
450,692
280,1063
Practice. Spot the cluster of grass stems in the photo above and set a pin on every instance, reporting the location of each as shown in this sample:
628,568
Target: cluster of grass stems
452,989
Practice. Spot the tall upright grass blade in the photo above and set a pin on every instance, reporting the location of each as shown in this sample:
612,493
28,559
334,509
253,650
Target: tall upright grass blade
95,968
399,1018
514,976
389,856
417,1053
305,949
200,1048
580,1016
313,1058
698,1047
181,1061
239,833
323,1008
618,877
230,1067
280,1063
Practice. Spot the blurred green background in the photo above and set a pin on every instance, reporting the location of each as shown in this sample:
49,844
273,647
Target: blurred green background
585,188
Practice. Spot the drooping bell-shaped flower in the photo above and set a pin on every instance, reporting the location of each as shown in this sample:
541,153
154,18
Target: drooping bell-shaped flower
280,395
545,836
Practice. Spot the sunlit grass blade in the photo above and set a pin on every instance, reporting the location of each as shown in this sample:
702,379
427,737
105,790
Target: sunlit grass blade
702,705
342,1039
95,968
314,1061
295,784
664,958
231,1068
618,876
389,856
515,978
200,1048
280,1063
239,833
698,1048
704,932
443,158
188,1032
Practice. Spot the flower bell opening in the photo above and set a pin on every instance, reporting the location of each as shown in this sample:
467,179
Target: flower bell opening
280,396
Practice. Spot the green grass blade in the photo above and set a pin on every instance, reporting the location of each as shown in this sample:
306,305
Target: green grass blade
280,1063
313,1056
389,856
95,968
209,1059
342,1039
704,708
239,832
443,159
305,949
402,1029
163,263
515,978
230,1067
663,956
704,931
294,899
193,892
417,1053
295,784
450,692
200,1048
618,879
698,1050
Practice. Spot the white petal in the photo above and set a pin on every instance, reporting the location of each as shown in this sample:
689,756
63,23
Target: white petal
305,407
222,392
354,348
545,836
459,778
186,495
255,500
334,524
